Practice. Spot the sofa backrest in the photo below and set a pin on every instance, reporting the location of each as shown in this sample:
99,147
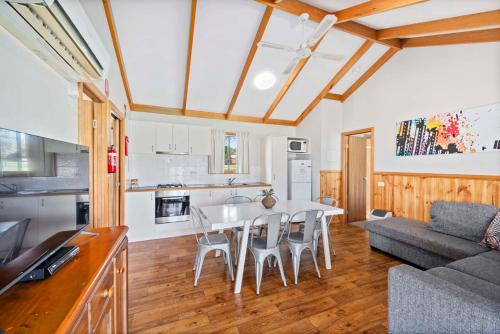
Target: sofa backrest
464,220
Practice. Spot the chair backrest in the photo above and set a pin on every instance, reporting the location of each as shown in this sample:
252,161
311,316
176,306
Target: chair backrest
328,200
237,200
12,239
198,222
259,198
310,219
274,231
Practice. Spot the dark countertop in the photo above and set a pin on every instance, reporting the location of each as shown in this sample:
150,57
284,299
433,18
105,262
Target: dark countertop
203,186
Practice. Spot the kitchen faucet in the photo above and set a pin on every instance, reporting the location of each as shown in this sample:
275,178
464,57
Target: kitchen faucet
230,180
12,188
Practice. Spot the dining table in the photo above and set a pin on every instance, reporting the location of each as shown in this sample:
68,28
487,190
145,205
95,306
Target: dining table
226,216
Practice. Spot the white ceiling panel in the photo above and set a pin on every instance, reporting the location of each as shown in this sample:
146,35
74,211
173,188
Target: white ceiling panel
316,74
428,11
153,40
283,29
224,32
367,60
333,6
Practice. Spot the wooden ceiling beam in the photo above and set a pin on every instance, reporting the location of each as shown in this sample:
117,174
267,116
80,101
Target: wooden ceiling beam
338,76
472,21
374,68
316,14
291,78
118,52
251,54
190,49
331,96
478,36
371,8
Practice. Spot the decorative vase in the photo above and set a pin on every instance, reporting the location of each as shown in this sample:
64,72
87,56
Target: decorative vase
268,202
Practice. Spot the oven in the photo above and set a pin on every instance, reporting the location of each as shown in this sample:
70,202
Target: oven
171,206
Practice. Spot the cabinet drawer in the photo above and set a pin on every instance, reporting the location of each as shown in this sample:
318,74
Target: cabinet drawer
102,297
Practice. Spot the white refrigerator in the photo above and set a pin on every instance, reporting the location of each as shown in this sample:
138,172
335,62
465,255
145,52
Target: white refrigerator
299,179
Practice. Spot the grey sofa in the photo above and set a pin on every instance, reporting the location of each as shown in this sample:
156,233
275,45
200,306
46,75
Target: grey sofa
460,293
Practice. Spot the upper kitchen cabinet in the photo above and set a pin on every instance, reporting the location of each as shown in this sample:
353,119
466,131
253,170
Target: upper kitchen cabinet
142,137
199,140
180,139
164,135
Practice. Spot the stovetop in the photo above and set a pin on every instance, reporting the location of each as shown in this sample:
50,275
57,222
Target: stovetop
170,185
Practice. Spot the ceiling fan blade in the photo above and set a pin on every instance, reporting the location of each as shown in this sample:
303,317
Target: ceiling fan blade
291,65
328,56
322,28
276,46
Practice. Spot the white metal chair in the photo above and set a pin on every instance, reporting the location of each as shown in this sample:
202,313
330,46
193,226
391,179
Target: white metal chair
298,241
237,232
263,248
207,243
327,200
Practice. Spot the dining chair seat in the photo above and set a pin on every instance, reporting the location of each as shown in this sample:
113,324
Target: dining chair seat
296,237
213,239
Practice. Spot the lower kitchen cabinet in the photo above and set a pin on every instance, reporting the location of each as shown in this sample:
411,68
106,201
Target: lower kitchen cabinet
140,214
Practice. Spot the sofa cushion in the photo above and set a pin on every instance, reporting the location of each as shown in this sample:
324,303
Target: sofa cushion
481,287
463,220
492,255
420,235
492,234
480,267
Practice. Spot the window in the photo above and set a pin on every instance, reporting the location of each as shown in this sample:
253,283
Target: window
230,153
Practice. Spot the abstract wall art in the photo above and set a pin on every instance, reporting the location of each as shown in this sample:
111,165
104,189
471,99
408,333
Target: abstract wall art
466,131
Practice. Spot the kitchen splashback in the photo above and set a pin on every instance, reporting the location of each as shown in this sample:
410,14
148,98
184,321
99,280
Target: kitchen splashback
189,169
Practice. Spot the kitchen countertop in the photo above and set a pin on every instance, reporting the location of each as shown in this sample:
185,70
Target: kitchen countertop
202,186
57,192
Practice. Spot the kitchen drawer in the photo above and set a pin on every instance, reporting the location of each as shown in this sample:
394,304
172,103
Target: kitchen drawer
102,297
82,324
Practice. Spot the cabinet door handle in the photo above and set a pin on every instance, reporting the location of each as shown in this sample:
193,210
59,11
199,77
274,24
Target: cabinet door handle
152,148
43,202
175,147
107,293
191,149
170,147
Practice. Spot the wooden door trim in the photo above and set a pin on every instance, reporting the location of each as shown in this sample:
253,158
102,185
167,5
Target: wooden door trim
343,166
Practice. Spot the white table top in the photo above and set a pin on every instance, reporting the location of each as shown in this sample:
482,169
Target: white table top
232,215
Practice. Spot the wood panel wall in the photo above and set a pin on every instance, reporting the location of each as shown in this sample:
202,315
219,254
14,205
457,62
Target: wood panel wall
411,194
331,185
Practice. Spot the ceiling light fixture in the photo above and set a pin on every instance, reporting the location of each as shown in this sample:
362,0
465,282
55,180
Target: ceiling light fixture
264,80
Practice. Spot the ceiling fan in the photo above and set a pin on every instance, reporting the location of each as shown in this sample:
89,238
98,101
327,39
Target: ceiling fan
304,49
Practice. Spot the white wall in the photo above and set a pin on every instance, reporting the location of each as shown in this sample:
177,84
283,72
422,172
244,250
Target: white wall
323,127
152,169
33,97
423,81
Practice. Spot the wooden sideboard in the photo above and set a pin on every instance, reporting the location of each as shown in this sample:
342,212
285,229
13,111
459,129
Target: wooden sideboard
88,295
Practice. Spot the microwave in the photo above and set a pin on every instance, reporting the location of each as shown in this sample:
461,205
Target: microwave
297,145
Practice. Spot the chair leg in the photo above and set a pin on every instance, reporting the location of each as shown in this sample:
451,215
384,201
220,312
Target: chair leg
296,266
258,273
315,262
229,262
237,247
280,266
196,259
201,256
331,242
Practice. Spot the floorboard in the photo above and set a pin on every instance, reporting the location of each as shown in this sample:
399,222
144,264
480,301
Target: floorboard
350,298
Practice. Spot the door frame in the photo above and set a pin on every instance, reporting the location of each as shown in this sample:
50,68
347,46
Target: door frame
344,161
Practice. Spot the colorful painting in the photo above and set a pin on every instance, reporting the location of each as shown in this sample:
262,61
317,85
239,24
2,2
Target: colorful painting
466,131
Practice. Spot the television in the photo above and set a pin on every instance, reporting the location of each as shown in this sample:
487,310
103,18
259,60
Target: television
44,188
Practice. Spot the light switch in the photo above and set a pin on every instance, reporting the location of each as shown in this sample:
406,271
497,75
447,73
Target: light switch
381,183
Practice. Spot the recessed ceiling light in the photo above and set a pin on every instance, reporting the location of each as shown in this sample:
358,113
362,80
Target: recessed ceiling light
264,80
355,70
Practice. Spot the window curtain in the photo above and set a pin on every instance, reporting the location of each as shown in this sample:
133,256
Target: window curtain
216,165
243,160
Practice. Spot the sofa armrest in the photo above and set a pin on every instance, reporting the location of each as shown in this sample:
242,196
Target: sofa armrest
422,303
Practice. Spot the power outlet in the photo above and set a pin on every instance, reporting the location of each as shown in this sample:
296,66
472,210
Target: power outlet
381,184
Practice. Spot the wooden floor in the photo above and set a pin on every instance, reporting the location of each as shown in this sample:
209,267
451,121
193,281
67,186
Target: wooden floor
350,298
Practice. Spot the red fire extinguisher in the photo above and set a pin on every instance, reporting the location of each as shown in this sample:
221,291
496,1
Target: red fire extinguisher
112,159
126,146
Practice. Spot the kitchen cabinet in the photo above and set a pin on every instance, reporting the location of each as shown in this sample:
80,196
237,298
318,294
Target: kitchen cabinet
199,140
180,139
164,134
277,165
140,214
142,137
201,197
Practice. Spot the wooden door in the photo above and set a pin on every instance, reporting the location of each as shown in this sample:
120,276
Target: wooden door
114,178
356,178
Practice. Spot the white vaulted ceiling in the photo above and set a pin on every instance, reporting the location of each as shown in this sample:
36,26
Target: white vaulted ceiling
153,36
